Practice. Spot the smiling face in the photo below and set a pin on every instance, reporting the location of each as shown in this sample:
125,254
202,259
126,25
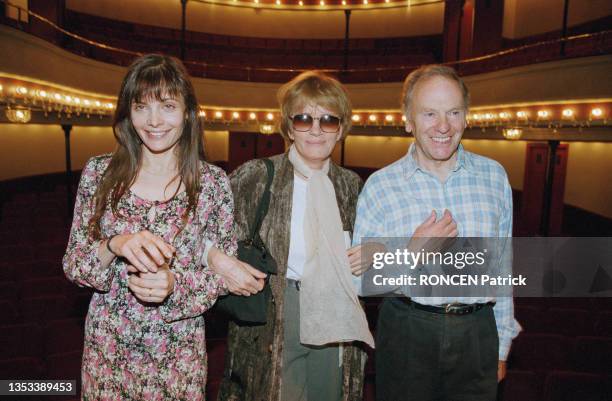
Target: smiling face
158,123
314,146
436,118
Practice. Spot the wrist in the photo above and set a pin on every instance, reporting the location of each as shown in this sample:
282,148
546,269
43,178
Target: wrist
108,244
214,258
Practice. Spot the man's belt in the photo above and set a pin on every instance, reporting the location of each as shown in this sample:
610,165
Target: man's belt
447,309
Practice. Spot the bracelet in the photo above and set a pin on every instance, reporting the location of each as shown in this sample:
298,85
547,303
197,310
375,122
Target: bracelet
108,244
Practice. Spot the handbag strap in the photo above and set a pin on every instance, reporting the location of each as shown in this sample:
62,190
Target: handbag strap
264,203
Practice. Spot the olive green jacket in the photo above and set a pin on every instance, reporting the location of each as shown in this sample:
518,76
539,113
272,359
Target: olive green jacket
254,357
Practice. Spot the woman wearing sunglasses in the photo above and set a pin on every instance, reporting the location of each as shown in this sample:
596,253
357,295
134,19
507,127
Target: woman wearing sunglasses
311,347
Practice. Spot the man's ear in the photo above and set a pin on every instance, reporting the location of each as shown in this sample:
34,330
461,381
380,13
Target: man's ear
408,125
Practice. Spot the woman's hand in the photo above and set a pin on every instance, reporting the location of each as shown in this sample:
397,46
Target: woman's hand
152,287
146,252
241,278
354,257
361,256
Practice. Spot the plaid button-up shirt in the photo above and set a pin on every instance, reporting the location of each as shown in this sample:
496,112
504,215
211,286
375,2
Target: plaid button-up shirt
398,198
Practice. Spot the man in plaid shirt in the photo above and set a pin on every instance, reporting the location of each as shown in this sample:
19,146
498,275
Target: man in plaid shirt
439,348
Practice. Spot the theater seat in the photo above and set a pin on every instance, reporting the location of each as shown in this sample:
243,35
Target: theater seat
540,352
212,388
216,357
20,340
369,388
603,327
530,318
63,336
216,324
46,308
570,322
8,290
520,386
49,286
66,365
21,368
593,354
370,366
9,314
570,386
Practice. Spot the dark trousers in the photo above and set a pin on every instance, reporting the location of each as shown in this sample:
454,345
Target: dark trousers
425,356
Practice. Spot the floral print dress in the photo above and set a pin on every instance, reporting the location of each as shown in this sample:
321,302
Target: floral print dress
136,351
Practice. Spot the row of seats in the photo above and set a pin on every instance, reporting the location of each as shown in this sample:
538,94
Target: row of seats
555,320
87,24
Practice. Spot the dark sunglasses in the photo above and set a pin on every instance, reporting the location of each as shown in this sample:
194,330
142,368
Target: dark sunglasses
327,122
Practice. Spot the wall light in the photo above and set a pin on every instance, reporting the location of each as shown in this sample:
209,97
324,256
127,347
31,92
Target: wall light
542,114
597,112
18,115
512,133
266,129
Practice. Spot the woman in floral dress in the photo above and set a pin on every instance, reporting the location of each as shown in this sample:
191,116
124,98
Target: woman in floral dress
141,219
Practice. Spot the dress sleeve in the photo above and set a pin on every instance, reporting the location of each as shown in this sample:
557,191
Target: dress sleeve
81,262
197,287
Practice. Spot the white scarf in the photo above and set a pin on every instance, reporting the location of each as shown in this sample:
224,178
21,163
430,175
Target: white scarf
330,311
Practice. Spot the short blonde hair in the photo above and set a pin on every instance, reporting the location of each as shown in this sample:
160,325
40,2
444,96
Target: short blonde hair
429,71
313,87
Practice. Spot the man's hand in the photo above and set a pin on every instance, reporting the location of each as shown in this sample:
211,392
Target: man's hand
501,370
432,235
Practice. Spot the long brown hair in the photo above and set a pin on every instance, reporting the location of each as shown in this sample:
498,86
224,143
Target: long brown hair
152,76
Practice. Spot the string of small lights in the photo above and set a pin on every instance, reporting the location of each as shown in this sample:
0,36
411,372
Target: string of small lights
20,96
320,5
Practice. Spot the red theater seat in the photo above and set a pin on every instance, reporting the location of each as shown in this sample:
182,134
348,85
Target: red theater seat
46,308
8,290
570,386
593,354
64,336
520,386
570,322
212,388
20,340
216,357
21,368
530,318
9,313
540,352
44,287
65,365
369,388
603,327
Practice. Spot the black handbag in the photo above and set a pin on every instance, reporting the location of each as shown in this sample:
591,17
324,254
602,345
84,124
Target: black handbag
252,309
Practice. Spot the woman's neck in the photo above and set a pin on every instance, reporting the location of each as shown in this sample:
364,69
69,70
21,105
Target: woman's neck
159,164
